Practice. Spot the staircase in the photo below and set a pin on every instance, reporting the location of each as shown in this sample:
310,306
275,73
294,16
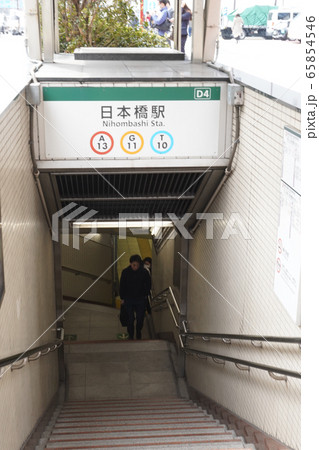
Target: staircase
127,395
169,423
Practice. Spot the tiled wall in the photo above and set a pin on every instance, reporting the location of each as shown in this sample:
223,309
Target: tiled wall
232,290
162,278
28,306
162,267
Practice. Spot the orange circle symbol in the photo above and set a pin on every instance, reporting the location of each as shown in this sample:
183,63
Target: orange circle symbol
132,143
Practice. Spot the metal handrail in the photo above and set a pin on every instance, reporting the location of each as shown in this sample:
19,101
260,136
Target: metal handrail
243,337
85,274
276,373
43,349
270,369
162,297
161,294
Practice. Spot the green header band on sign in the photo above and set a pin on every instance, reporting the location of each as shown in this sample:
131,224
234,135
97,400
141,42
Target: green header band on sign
82,94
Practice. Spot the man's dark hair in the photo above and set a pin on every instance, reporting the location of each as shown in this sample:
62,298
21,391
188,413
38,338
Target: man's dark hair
136,258
163,1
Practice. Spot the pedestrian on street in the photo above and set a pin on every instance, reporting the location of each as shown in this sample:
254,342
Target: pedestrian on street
237,28
135,285
170,10
186,17
160,21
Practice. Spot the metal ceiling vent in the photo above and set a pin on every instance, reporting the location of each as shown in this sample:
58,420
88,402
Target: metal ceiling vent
131,193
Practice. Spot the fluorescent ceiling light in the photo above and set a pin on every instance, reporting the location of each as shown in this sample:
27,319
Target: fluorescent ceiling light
156,224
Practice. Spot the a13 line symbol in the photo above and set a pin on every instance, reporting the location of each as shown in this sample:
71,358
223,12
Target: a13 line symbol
101,142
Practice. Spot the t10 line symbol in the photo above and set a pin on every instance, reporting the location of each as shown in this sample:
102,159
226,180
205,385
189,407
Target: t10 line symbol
162,142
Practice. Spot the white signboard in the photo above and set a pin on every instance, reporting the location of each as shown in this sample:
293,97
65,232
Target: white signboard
291,166
287,274
132,122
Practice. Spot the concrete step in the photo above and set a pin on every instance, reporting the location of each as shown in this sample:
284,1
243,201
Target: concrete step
128,402
133,406
157,446
146,426
126,419
135,421
142,432
108,412
225,439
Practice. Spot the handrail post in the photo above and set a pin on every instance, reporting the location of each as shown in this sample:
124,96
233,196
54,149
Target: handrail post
184,325
183,284
183,293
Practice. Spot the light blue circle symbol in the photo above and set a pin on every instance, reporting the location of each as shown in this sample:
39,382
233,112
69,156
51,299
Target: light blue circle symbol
169,148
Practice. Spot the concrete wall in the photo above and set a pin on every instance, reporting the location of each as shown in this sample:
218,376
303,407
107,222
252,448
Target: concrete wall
232,288
162,267
165,265
28,306
81,267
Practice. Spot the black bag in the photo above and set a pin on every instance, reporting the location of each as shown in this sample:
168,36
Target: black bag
165,26
123,315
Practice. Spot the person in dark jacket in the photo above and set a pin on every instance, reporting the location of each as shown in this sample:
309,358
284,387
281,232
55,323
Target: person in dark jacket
159,20
135,285
186,17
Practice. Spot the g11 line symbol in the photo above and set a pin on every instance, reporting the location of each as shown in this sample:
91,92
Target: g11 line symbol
132,142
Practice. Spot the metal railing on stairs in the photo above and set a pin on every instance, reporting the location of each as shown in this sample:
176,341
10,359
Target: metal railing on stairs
161,301
19,360
167,299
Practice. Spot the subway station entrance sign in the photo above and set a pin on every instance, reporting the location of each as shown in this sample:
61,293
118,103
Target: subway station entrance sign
134,123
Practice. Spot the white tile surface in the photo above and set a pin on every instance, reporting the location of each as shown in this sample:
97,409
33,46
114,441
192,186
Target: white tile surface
28,306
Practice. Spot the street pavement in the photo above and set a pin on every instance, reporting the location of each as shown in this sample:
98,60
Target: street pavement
275,61
272,60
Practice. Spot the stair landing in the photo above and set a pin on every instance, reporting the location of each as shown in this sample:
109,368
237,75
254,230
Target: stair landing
119,369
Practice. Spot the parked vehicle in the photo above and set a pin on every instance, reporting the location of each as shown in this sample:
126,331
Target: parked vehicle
255,21
281,31
278,19
295,29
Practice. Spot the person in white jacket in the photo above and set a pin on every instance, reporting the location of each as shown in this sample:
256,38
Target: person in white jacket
237,27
